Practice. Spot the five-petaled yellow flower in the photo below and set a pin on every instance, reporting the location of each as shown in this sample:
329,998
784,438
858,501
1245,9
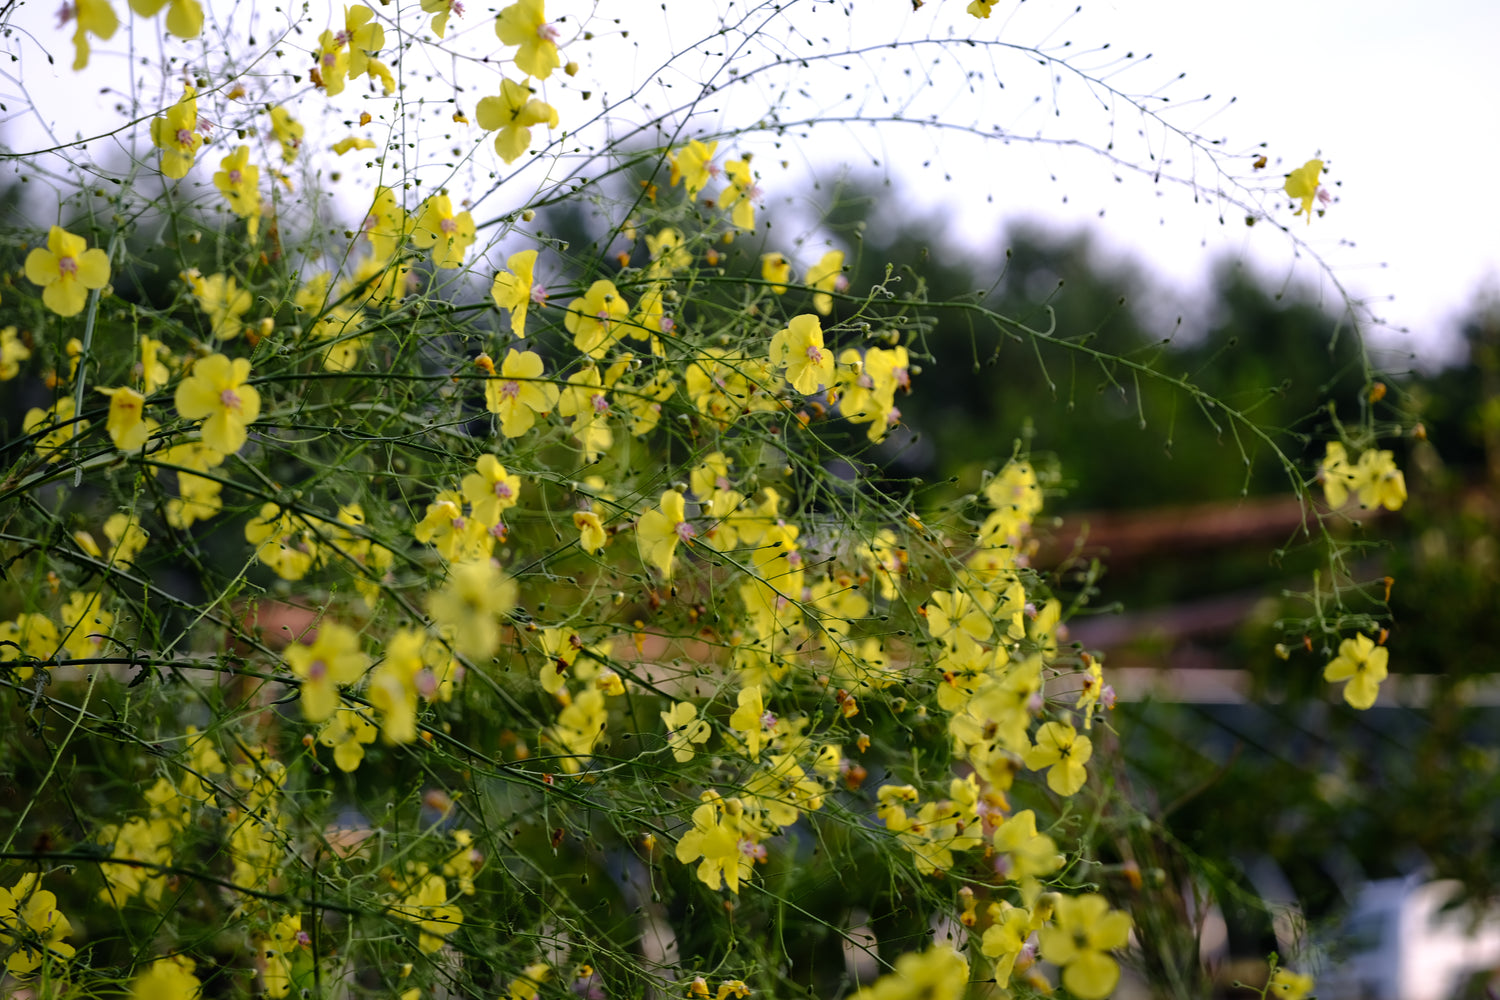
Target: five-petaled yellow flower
1083,930
217,393
1061,748
1363,665
524,23
799,348
659,531
511,115
239,181
176,135
449,234
67,270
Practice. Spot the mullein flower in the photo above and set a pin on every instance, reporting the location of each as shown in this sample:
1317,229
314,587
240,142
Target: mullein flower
67,269
176,134
524,23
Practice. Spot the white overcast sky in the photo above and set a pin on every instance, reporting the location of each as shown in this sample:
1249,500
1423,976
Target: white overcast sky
1399,98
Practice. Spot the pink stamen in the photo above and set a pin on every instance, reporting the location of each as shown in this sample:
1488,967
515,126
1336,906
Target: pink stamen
502,490
235,176
448,226
317,670
903,377
548,33
686,531
751,849
666,325
814,355
510,390
538,295
230,399
768,721
65,13
456,7
304,938
184,137
329,59
601,405
67,266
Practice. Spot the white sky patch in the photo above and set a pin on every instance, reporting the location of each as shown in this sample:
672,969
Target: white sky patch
1395,97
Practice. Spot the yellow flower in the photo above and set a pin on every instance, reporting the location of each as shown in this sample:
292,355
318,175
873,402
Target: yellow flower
217,394
365,37
94,17
658,532
126,538
684,729
1005,939
586,401
511,289
799,348
67,270
529,982
751,719
429,909
282,543
1026,853
447,233
827,275
668,255
331,64
386,225
776,269
524,23
595,320
393,686
511,115
490,490
332,659
740,197
31,927
1059,747
167,979
176,135
1289,985
694,166
443,9
470,605
184,17
64,428
1083,929
1302,184
1381,484
347,732
13,351
520,393
981,9
197,496
350,143
239,181
126,427
223,300
288,132
85,627
1364,665
591,534
939,973
717,838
